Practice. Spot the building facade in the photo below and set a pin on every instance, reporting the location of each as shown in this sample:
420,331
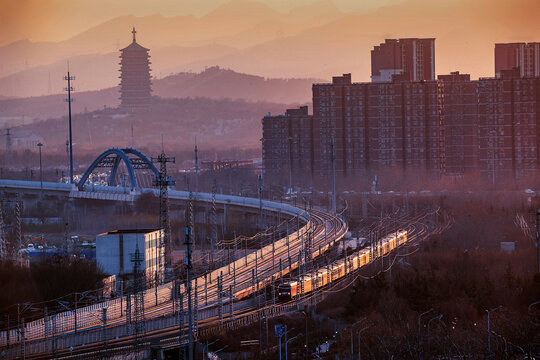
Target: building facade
135,79
412,57
508,126
375,125
522,56
458,116
451,126
115,250
287,146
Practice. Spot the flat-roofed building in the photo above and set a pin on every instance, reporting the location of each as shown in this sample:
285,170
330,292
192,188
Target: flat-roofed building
288,147
458,101
522,56
410,57
115,250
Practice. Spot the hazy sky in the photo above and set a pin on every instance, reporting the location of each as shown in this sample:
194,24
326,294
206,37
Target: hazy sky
54,20
325,45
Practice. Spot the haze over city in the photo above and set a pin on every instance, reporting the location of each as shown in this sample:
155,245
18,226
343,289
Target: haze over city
243,179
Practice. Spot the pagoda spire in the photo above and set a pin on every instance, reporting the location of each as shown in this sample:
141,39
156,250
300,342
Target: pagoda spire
134,32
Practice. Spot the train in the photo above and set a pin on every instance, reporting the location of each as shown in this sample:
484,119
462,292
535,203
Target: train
338,269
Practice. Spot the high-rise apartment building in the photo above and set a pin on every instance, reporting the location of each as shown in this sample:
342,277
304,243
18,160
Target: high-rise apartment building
458,115
412,58
339,127
287,147
508,126
449,126
374,126
525,56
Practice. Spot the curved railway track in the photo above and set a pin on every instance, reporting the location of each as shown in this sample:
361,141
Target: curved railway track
262,265
326,230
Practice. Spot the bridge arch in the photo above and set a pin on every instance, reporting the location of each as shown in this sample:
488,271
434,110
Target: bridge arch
112,158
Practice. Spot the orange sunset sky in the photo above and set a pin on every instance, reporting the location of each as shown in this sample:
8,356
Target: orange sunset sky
274,38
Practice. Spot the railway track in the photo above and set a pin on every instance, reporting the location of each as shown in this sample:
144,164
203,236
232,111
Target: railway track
417,228
322,229
326,230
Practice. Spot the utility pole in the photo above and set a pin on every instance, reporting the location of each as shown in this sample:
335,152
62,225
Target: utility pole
132,137
196,169
69,100
104,320
40,170
138,304
213,220
18,226
196,307
8,147
189,266
163,181
332,159
67,163
260,204
220,298
4,250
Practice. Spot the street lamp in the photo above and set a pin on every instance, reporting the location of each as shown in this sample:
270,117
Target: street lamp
488,327
419,334
40,169
287,342
359,339
438,317
352,326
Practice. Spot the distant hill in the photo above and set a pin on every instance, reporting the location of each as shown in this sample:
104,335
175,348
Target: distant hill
214,83
99,71
217,83
217,124
238,24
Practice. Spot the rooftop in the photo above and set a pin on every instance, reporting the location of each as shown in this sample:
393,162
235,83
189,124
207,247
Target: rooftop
130,231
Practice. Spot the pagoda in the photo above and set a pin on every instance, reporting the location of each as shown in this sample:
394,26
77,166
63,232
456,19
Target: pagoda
135,83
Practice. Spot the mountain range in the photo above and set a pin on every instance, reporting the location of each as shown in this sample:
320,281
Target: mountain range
213,83
315,41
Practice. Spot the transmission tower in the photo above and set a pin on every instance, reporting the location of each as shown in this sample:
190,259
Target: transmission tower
8,147
69,100
189,265
18,227
196,169
138,326
179,309
164,181
3,233
10,228
213,220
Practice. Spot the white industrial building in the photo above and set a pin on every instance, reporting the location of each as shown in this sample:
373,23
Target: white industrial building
115,250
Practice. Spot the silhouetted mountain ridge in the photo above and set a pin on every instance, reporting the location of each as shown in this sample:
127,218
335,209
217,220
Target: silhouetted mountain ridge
213,83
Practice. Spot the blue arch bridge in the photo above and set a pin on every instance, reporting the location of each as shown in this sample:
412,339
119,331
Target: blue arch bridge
117,160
